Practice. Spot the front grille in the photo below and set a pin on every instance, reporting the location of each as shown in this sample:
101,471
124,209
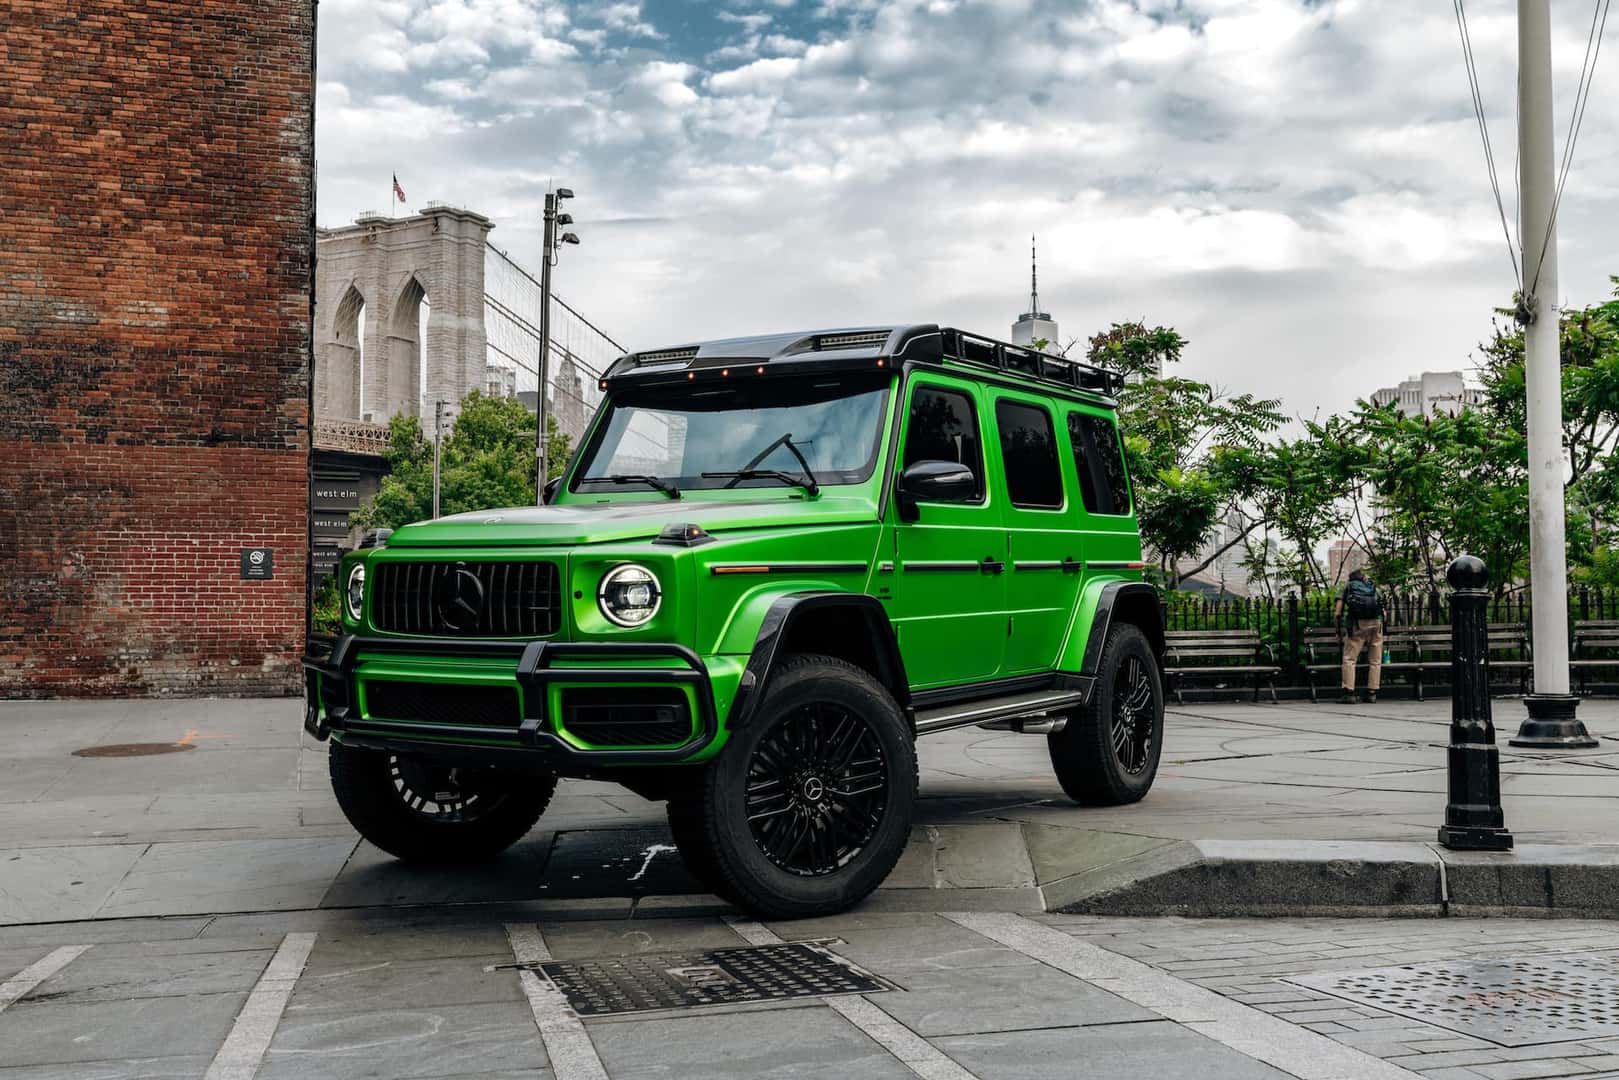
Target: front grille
627,717
437,703
512,599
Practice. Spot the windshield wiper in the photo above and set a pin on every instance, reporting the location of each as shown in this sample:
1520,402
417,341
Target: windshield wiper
806,482
748,472
636,478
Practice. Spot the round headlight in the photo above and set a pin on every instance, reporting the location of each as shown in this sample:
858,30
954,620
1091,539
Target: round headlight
354,595
629,595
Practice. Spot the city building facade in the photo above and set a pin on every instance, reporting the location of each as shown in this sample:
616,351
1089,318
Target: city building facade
1433,393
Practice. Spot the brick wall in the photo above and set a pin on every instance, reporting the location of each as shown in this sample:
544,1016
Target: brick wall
155,281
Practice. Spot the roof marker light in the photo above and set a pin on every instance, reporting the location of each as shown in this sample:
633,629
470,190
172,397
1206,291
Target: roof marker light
760,370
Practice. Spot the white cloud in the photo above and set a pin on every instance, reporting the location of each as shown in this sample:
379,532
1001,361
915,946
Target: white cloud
1269,175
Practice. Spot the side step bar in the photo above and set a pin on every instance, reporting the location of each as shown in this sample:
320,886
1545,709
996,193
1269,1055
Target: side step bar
1010,707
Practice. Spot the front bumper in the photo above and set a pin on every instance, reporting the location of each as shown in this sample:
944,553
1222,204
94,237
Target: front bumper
333,702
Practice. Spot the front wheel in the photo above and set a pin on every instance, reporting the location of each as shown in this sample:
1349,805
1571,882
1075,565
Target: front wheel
423,812
1107,755
809,807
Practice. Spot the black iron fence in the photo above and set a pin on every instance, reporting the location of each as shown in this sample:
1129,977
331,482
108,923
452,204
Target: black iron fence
1282,622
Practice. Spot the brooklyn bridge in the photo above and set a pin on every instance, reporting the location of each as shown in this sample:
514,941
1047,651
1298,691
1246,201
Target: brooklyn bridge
414,311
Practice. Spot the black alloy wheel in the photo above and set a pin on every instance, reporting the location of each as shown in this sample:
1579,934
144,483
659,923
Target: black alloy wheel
1134,715
809,805
1107,754
442,793
816,789
426,811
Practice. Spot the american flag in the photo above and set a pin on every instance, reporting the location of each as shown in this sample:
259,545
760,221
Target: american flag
399,192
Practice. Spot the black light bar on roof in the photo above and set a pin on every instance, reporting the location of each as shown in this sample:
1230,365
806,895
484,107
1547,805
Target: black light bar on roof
864,339
665,356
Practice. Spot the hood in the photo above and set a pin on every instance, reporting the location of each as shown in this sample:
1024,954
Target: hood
587,523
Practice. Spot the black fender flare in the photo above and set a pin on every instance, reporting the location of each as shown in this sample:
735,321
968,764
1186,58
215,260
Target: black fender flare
775,629
1124,601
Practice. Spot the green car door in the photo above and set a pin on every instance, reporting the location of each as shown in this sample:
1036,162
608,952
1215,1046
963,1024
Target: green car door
947,594
1040,512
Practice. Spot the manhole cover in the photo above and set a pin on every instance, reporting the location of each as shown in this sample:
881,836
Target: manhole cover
626,984
134,749
1515,1001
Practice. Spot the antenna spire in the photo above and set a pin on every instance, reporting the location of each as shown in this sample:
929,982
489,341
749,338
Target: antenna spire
1034,276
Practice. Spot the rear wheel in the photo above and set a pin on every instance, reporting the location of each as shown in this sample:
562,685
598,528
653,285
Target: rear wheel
425,812
1107,755
809,807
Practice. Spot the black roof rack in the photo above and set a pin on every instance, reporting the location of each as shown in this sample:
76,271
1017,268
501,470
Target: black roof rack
859,347
1001,356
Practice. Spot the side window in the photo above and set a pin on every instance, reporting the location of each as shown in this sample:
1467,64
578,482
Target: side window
1029,455
1100,464
943,427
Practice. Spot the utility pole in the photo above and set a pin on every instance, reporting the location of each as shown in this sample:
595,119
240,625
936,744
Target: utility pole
1551,721
438,440
552,244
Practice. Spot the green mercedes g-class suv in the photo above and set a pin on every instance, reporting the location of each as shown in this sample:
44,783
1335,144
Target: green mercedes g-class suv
772,563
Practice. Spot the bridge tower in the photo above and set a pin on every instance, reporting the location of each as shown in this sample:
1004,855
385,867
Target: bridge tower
387,269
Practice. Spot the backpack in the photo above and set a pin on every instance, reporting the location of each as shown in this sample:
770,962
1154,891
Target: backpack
1362,601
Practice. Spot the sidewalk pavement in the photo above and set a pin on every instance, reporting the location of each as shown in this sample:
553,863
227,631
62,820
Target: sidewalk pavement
1261,808
207,913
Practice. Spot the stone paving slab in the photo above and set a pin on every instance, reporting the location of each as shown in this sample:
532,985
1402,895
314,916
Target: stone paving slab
1246,795
387,992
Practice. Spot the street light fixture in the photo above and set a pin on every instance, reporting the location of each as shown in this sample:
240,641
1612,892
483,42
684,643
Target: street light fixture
553,244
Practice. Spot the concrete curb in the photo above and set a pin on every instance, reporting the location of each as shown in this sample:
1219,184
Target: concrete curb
1348,878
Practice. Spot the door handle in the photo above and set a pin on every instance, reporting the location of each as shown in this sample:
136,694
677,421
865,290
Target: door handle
992,565
1071,565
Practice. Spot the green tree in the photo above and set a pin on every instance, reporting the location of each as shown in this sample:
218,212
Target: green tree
1175,432
1590,370
487,461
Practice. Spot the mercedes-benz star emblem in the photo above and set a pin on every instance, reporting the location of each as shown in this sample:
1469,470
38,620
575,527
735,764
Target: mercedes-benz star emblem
458,598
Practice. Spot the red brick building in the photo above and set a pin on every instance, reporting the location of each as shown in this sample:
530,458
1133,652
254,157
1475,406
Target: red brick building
156,239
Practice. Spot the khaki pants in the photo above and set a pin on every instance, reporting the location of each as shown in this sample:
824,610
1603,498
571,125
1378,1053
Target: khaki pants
1370,635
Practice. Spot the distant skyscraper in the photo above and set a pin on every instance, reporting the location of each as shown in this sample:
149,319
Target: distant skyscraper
1429,394
1035,325
1343,556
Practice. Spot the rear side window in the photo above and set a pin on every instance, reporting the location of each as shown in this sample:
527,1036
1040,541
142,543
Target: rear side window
943,427
1029,455
1100,464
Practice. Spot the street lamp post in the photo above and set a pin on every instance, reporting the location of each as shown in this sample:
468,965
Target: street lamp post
552,244
438,440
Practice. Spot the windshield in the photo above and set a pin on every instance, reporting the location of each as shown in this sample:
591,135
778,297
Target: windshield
677,434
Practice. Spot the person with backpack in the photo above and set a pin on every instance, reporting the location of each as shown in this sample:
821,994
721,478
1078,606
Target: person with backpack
1364,609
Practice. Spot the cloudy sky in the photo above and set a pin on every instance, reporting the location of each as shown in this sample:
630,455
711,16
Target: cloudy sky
1297,185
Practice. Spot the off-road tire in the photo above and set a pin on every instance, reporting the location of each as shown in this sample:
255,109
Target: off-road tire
749,877
1086,755
686,825
370,798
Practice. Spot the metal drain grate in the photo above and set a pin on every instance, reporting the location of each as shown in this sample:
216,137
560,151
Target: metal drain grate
627,984
1514,1001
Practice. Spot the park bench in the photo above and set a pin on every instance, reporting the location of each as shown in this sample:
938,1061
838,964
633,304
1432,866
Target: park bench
1419,651
1218,653
1596,645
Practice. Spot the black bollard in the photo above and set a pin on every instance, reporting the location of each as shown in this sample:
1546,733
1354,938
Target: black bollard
1473,817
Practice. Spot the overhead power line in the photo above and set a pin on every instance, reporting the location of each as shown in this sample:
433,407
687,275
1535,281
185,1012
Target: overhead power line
1484,134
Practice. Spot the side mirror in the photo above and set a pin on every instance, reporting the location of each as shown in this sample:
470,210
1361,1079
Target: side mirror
934,481
551,487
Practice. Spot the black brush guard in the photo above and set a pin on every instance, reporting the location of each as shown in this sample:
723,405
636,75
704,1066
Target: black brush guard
331,702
